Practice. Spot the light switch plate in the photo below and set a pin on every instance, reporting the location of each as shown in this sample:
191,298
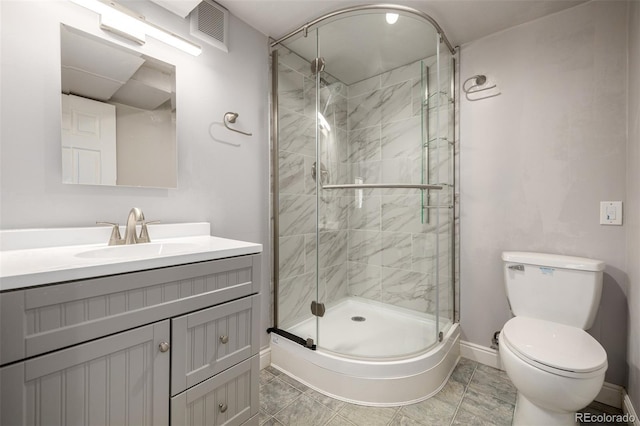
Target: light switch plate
610,212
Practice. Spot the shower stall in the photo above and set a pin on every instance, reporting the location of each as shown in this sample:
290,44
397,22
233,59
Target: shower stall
364,209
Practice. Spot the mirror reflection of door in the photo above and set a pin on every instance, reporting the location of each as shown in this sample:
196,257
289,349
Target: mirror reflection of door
88,142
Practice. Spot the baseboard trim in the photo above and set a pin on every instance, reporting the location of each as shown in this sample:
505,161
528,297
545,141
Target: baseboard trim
610,394
265,357
627,408
481,354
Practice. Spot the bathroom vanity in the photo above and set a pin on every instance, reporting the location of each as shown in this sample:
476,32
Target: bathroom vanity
170,337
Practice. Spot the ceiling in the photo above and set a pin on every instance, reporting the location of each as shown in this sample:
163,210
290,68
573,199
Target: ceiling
377,47
462,20
96,69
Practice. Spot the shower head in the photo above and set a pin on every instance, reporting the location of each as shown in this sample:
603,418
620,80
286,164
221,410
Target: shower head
335,87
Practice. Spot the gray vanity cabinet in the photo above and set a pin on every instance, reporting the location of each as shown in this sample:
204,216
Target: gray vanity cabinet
103,351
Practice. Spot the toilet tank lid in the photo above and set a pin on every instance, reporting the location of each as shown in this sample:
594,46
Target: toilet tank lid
553,260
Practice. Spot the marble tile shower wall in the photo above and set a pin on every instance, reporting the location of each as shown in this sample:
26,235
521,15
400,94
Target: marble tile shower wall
380,250
391,251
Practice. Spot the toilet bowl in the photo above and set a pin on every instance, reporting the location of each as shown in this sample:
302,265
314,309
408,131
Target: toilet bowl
557,369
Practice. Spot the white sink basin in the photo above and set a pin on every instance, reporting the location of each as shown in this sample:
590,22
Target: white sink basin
135,251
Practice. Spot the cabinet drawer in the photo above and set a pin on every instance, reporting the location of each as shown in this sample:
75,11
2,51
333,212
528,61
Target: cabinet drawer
42,319
209,341
230,398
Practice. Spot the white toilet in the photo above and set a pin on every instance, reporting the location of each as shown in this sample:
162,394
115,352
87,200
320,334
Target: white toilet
555,365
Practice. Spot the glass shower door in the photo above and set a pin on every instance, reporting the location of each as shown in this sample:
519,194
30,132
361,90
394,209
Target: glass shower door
377,247
365,244
295,225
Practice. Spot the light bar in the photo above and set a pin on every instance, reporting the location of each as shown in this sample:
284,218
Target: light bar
123,22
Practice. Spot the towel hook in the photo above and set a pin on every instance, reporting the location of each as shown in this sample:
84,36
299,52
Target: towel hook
231,118
474,87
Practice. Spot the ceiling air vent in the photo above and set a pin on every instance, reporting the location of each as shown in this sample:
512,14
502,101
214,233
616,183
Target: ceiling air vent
210,23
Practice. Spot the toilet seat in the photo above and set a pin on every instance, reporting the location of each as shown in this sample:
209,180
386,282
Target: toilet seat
556,348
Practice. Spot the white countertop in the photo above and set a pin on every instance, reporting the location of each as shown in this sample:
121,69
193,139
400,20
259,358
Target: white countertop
33,257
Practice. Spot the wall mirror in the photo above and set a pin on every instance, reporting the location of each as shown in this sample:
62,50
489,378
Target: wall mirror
118,114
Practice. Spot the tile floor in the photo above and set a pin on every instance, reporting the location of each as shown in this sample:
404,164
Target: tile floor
474,395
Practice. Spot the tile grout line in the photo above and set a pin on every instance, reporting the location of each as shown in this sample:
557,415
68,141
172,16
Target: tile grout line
291,402
455,413
283,408
331,418
398,409
303,393
336,412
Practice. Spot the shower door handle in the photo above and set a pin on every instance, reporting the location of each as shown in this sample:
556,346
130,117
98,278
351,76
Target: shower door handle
317,309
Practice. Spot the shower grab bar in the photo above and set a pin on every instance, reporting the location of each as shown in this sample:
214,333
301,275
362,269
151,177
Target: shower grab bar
381,185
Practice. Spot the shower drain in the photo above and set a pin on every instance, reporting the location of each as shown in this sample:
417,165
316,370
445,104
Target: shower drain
358,318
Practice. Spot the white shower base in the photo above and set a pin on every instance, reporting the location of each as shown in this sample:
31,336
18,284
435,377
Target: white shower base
387,331
365,370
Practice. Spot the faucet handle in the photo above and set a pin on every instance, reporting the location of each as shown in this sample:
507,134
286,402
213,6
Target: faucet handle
115,238
144,232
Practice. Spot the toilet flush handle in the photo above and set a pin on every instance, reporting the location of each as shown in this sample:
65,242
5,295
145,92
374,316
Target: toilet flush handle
517,267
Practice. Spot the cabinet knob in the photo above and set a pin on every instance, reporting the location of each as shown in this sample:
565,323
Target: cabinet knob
224,339
223,407
164,346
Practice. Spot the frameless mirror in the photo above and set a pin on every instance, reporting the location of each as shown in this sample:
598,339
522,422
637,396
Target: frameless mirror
118,114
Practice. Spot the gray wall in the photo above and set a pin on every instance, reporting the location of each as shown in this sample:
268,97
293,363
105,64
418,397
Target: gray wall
633,205
217,182
537,160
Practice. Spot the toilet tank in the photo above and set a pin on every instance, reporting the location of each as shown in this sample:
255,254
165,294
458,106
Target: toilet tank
563,289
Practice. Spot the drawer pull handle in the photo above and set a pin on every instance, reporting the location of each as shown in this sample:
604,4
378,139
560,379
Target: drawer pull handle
223,407
224,339
164,346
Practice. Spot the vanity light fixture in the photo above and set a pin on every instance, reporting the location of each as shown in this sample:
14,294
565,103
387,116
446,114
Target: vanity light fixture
121,21
392,18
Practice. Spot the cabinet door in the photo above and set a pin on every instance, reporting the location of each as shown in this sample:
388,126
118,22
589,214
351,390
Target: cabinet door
229,399
209,341
117,380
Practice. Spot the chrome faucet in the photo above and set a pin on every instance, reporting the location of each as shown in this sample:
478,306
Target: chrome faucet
135,216
130,237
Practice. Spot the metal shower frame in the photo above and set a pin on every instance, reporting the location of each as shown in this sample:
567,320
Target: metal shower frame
274,138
